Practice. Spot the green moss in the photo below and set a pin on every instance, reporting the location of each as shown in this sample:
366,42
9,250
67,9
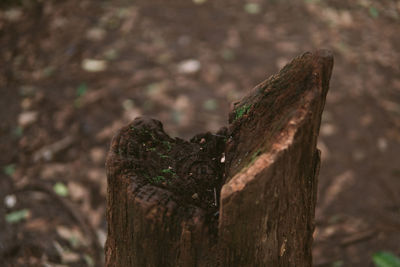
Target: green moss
167,145
242,111
158,179
155,180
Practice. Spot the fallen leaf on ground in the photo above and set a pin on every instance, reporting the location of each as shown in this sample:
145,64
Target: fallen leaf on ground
69,257
328,129
252,8
27,118
94,65
189,66
96,34
61,189
10,201
77,191
17,216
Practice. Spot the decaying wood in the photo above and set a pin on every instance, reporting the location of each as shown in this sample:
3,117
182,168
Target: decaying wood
244,196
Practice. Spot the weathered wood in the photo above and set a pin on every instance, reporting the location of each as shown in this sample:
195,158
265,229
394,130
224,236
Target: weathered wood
242,197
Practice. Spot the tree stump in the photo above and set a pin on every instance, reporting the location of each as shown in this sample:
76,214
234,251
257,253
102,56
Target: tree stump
244,196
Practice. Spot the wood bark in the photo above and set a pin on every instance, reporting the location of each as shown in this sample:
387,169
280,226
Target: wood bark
244,196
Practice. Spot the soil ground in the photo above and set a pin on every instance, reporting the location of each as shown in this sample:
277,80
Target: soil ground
73,72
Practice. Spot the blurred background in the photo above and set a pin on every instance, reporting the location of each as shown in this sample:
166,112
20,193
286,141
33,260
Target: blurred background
73,72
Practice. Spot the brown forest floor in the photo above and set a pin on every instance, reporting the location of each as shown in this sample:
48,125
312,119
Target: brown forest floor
57,114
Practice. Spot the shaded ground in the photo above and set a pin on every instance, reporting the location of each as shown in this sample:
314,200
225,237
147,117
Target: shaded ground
184,63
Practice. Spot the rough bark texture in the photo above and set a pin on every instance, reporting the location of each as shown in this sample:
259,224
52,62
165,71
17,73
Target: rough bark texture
244,196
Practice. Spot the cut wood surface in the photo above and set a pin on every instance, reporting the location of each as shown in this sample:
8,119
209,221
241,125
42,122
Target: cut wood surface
244,196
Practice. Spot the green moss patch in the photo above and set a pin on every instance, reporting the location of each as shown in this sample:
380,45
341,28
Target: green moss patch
242,111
